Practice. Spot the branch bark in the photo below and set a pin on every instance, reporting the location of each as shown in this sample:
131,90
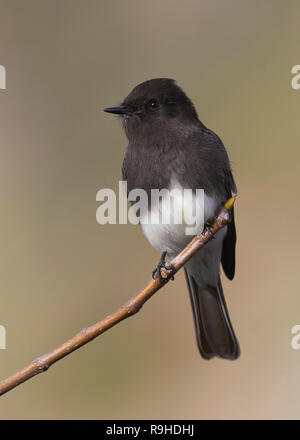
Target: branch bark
130,308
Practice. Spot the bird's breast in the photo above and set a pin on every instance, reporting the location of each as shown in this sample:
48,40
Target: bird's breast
175,216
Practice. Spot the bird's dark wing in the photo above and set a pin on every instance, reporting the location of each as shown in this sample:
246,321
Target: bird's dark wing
229,242
209,167
228,250
211,170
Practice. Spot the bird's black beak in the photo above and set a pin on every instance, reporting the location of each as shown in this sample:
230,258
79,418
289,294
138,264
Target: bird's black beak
120,110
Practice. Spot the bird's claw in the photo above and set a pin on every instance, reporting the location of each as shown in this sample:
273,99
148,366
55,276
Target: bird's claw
164,270
207,228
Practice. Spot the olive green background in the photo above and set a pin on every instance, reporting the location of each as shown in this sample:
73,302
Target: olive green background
61,271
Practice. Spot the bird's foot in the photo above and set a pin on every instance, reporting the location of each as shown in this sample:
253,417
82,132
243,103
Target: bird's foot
164,270
207,228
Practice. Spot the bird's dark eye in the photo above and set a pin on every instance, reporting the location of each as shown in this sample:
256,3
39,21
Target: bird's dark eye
153,104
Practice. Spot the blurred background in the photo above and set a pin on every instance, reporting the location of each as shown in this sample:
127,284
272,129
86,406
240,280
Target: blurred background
60,271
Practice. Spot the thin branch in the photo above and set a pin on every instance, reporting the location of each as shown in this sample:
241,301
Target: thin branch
130,308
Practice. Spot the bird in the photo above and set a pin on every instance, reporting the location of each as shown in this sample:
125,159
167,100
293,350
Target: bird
169,147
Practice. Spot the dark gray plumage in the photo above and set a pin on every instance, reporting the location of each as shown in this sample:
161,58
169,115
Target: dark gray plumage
167,144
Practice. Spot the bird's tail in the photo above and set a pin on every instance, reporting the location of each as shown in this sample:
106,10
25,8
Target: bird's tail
214,332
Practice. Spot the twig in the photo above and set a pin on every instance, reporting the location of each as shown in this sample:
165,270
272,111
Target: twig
128,309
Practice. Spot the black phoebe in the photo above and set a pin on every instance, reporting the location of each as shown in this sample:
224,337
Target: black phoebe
169,147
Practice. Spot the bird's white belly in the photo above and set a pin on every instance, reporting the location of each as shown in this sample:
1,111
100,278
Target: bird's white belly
173,236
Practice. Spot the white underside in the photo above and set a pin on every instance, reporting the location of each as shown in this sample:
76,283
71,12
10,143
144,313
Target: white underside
173,237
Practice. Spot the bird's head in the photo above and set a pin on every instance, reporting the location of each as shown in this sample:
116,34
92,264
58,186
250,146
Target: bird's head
157,103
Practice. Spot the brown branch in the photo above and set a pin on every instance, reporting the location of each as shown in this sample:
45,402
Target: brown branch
130,308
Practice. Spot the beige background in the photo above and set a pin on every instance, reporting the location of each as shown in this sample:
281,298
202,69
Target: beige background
61,271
